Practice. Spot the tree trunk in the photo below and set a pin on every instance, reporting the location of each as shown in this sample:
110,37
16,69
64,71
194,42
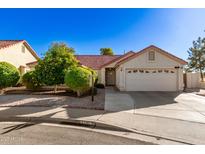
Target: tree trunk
78,93
202,76
1,91
55,89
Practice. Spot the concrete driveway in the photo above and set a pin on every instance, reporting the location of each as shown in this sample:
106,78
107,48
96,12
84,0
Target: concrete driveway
182,106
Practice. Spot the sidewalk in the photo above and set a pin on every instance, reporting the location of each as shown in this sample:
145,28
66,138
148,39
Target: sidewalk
167,128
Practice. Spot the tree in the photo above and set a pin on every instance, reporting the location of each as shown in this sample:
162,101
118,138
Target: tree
106,51
9,75
57,60
197,56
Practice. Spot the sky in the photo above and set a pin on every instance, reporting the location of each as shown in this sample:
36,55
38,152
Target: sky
88,30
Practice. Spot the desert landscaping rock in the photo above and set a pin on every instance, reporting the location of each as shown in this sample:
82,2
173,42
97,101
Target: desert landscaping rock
21,100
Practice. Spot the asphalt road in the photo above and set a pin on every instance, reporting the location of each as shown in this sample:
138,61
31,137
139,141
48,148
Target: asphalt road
25,133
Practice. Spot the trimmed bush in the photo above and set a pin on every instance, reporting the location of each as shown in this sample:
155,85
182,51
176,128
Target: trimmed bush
100,85
30,80
78,79
9,75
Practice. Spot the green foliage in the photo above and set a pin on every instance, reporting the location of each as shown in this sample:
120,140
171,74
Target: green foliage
31,80
57,60
197,56
106,51
9,75
78,79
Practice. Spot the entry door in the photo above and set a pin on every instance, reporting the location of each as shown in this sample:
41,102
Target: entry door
110,76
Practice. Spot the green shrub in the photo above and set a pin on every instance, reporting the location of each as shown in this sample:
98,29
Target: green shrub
31,80
9,75
78,79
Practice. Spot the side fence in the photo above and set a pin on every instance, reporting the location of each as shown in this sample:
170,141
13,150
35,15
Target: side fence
192,80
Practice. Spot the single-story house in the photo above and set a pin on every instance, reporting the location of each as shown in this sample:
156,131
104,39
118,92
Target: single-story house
151,69
18,53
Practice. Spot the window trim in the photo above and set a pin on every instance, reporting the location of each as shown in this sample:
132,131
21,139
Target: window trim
154,56
23,49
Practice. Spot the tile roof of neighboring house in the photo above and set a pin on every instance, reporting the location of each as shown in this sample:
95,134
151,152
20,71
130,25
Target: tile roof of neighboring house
165,53
8,43
95,61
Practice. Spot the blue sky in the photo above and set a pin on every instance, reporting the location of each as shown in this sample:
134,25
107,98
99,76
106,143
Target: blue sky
87,30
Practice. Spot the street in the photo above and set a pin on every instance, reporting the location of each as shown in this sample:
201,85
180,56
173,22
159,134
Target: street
27,133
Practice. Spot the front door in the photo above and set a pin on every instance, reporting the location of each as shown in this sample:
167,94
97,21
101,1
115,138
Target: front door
110,76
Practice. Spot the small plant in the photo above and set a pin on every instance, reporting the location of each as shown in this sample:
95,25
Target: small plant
78,79
31,80
100,85
9,75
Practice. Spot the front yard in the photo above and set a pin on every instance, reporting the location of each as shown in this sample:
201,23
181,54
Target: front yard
38,99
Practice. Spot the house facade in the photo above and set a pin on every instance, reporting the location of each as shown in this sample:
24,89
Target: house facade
151,69
18,53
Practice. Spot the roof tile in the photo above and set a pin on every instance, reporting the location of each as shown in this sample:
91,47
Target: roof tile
95,61
6,43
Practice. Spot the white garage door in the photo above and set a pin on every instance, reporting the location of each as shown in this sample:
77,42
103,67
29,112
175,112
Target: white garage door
151,80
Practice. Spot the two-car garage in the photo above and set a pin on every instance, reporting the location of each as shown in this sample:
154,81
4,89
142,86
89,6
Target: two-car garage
151,69
150,79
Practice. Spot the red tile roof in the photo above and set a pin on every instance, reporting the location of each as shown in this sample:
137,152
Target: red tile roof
119,58
92,61
7,43
95,61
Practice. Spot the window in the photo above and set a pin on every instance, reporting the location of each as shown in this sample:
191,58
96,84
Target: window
159,71
166,71
151,56
23,49
135,71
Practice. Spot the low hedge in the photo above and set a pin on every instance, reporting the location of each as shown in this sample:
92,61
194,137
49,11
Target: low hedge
9,75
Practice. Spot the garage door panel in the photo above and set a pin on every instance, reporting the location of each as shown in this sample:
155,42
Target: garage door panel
160,80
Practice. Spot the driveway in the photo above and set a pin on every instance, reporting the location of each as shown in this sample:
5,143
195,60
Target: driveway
182,106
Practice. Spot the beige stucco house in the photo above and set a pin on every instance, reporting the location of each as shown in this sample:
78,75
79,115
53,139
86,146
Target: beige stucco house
18,53
151,69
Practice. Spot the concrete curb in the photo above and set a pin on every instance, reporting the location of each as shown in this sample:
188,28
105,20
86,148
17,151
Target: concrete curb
90,124
83,123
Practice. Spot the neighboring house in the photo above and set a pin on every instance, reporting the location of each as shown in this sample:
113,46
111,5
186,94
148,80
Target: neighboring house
18,53
151,69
